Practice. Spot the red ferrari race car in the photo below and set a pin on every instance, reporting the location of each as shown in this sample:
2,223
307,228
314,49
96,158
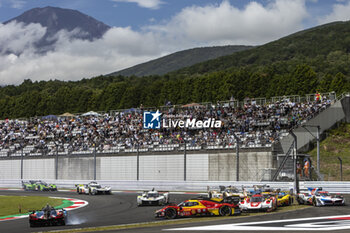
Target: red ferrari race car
198,207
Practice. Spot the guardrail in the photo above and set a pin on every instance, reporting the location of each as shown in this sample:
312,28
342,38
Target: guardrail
332,187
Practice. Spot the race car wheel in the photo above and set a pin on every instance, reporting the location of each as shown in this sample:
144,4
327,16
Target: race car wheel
170,213
300,201
225,211
32,224
314,202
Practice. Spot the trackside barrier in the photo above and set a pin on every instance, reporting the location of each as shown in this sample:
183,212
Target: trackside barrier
201,186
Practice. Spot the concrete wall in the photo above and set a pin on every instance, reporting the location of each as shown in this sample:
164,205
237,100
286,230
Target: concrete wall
199,167
37,168
117,168
70,168
10,169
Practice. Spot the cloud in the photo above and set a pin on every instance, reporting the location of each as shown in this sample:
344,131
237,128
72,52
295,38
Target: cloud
123,47
17,4
226,24
340,12
151,4
19,38
73,59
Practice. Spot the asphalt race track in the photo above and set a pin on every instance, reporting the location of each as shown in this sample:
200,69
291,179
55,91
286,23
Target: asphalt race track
121,208
102,210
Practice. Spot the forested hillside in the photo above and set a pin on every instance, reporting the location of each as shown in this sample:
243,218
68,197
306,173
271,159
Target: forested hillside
180,60
325,48
313,60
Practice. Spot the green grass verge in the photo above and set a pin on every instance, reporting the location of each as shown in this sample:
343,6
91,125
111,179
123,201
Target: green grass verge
337,144
178,221
12,205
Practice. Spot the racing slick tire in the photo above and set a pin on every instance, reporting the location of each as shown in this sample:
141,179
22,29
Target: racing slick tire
62,222
32,224
170,213
300,201
314,202
225,210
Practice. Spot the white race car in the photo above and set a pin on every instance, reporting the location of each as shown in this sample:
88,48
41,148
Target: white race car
93,188
152,198
226,194
305,197
258,202
323,198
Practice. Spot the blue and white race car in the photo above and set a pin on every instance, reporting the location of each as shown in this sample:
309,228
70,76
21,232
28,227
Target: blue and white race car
323,198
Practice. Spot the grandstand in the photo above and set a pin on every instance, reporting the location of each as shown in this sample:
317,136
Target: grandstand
260,124
254,124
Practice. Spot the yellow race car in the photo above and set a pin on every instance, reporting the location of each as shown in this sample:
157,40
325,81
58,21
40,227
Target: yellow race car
284,198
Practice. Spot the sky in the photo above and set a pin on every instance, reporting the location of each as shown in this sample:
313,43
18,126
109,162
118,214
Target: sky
143,30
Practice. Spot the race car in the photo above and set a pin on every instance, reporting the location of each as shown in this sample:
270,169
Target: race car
306,197
284,198
93,188
38,185
228,194
323,198
198,207
48,216
259,202
152,198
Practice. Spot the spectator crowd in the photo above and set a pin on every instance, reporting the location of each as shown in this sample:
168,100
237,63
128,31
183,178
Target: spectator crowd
256,125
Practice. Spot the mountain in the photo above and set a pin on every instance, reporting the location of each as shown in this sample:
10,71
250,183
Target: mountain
180,60
56,19
306,62
326,48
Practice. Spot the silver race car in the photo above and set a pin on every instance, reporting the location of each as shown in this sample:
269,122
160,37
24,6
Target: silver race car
153,198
